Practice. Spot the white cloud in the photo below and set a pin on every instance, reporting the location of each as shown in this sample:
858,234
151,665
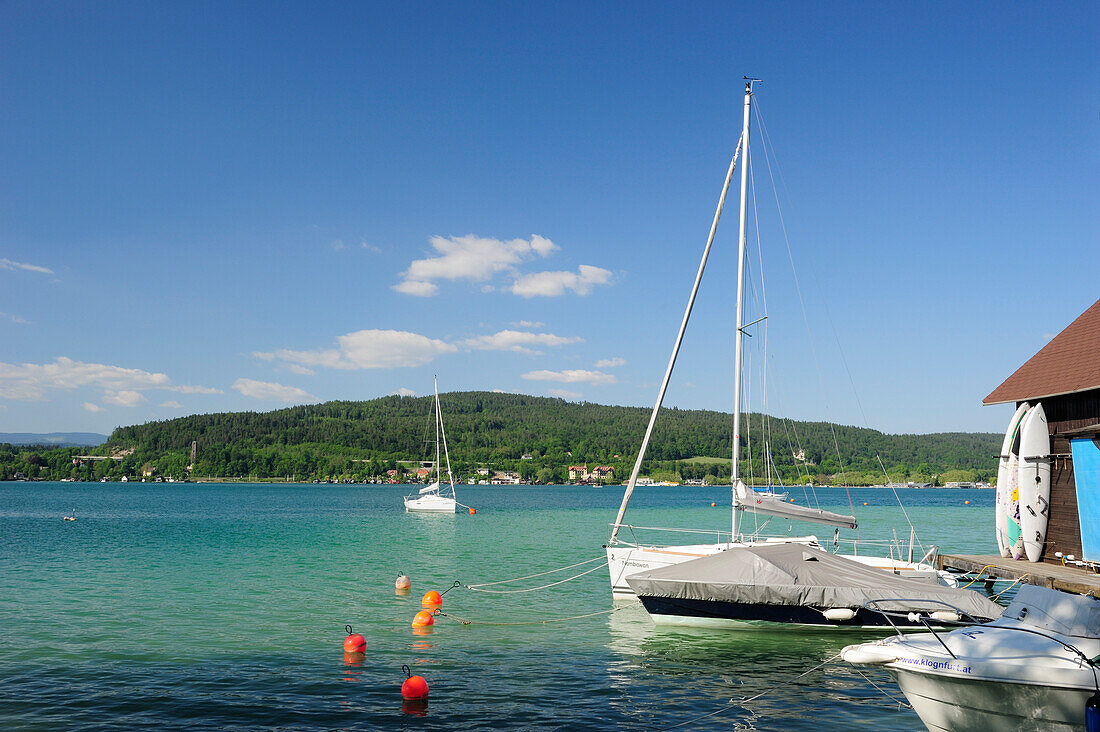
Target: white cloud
300,370
124,398
368,349
528,324
338,245
92,407
370,247
553,284
416,289
193,389
519,341
571,376
564,393
15,319
609,363
499,391
405,392
31,381
8,264
272,392
172,404
469,257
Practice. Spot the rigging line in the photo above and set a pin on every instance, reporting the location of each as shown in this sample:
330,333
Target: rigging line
542,587
746,700
768,153
540,574
465,621
888,695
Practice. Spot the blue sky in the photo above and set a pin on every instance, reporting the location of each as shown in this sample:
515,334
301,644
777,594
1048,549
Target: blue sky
240,206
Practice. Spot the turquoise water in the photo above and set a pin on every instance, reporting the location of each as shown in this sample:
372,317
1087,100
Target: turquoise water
224,606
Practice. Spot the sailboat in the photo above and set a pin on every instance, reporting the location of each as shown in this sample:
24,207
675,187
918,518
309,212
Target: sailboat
628,559
433,497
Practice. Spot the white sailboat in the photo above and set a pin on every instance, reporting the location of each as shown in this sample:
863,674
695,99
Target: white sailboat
630,556
433,497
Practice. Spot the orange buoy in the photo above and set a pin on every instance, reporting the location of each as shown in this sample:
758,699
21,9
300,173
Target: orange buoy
792,500
967,502
413,688
432,599
865,503
712,505
355,642
472,512
403,582
423,619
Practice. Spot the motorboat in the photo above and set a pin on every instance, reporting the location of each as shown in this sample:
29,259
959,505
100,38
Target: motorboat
1033,668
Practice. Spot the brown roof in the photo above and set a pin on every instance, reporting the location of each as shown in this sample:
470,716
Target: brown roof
1068,364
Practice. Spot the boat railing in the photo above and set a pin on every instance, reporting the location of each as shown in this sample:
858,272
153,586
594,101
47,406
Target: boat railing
872,605
721,537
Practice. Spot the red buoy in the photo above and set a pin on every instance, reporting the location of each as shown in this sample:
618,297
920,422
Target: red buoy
472,512
431,599
355,642
423,619
414,687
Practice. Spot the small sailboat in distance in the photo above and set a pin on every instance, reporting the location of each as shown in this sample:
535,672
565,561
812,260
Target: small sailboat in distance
432,497
70,518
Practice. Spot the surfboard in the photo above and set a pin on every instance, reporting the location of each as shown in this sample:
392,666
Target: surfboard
1034,481
1006,481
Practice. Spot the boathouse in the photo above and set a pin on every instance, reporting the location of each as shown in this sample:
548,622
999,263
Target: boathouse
1065,378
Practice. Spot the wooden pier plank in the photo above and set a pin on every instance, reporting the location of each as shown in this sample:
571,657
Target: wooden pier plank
1059,577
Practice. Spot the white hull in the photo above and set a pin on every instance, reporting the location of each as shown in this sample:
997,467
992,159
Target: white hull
430,504
623,561
960,705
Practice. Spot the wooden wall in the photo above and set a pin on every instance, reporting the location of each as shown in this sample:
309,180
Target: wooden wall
1066,413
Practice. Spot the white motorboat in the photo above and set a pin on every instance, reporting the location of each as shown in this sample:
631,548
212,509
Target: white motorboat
629,556
433,498
1033,668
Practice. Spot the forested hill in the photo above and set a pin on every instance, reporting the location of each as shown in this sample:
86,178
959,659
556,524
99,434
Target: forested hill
493,429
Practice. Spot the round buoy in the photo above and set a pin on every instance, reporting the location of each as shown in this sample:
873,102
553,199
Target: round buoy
865,503
712,505
792,500
355,642
432,599
414,687
423,619
403,583
472,512
967,502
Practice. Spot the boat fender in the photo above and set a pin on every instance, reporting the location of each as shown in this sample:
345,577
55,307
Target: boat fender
423,619
869,654
839,614
414,687
946,616
1092,713
432,599
355,642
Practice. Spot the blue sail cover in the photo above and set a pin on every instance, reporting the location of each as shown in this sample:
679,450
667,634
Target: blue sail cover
1086,473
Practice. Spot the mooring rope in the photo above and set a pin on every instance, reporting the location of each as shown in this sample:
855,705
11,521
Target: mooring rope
465,621
480,587
1020,579
980,571
754,698
888,695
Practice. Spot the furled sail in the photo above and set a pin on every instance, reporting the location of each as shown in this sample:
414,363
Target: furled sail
762,503
433,488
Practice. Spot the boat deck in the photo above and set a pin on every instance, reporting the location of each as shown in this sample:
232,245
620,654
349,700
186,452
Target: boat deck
1045,574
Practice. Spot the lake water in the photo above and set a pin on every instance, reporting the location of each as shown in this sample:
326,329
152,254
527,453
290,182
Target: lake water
213,606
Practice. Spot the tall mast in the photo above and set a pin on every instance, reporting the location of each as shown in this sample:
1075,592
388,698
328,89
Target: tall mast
734,472
438,475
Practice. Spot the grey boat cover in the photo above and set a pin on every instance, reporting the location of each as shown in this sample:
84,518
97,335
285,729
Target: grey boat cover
796,574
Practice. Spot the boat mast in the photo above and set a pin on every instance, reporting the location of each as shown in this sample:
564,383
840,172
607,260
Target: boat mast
734,471
438,475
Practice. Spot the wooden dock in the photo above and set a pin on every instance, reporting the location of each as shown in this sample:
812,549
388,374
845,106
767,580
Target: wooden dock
1045,574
